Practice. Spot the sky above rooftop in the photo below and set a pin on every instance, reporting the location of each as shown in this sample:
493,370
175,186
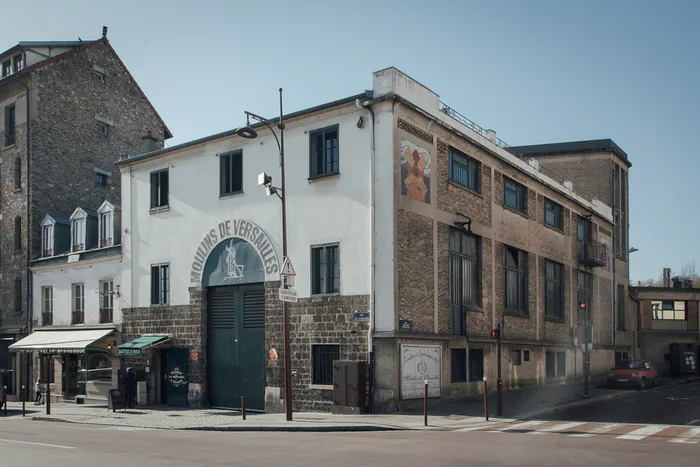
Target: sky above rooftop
535,71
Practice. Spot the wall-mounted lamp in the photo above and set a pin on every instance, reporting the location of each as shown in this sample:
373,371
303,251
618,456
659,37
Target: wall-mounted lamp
462,225
111,344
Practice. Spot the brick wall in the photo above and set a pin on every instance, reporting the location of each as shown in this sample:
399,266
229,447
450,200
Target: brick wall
692,315
415,270
605,311
591,175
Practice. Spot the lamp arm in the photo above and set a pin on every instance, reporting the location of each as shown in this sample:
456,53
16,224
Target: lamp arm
267,124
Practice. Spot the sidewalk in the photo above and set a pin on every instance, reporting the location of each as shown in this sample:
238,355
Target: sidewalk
449,415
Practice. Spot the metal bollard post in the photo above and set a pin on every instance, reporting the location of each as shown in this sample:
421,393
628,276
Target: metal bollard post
4,398
243,407
24,401
425,404
48,398
486,401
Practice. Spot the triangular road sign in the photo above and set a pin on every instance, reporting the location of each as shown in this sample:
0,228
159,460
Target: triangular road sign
287,268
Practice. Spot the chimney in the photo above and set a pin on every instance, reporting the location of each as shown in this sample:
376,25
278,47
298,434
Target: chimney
667,277
491,136
150,143
104,32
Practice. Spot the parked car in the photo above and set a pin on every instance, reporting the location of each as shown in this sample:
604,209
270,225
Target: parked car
637,373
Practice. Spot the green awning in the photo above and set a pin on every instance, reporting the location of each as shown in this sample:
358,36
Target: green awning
137,346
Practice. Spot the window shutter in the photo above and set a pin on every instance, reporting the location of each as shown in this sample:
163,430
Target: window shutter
164,187
155,281
154,190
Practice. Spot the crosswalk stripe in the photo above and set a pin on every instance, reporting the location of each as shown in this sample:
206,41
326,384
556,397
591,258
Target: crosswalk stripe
522,425
598,430
641,433
691,436
557,427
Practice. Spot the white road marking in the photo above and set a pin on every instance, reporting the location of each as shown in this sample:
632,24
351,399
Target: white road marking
598,430
558,427
693,422
643,432
38,444
691,436
522,425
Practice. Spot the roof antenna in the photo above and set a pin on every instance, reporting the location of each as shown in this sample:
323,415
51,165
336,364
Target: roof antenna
104,32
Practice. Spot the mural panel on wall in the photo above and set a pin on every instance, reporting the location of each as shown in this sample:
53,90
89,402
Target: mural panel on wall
415,172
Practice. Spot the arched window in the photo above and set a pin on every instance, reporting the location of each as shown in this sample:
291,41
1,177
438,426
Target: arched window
18,173
18,233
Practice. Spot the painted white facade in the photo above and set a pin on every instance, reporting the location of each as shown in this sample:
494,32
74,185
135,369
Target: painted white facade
334,209
61,277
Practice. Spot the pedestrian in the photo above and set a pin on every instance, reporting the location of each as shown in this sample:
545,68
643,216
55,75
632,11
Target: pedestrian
130,387
37,391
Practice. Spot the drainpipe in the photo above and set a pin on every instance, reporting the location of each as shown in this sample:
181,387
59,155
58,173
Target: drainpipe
373,283
614,261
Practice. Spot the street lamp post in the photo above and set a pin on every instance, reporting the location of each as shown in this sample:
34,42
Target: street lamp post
248,132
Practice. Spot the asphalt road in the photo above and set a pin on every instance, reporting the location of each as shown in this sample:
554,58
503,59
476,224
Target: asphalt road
677,405
32,443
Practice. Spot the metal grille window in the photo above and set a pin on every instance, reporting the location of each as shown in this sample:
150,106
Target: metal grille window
323,358
514,195
160,284
159,189
621,307
553,214
231,173
515,263
10,125
47,306
465,277
464,170
458,364
325,154
78,303
554,289
18,294
325,269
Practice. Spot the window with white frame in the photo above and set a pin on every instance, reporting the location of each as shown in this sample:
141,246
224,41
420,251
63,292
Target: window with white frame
106,228
78,303
47,240
77,230
106,301
47,306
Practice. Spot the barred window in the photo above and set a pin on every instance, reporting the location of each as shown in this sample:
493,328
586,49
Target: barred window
554,292
515,263
465,277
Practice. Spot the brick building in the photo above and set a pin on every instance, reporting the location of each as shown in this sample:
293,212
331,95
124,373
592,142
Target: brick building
669,324
414,232
67,111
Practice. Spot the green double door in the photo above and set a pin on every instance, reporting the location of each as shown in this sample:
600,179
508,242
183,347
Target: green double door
236,346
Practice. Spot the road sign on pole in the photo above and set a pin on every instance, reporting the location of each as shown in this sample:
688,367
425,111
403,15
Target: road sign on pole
288,295
287,268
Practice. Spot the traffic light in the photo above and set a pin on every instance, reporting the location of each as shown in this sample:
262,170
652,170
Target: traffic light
495,333
581,312
582,305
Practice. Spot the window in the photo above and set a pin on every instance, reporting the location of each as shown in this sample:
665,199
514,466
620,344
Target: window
102,128
17,63
515,263
526,355
668,309
10,125
47,306
324,152
78,303
100,178
18,233
554,290
18,294
106,301
553,214
18,173
621,307
231,173
99,76
323,358
78,233
516,357
561,364
47,240
465,277
514,195
6,68
159,189
464,170
476,364
160,284
458,362
106,228
325,269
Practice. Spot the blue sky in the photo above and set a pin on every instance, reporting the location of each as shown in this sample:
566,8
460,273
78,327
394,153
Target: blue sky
535,71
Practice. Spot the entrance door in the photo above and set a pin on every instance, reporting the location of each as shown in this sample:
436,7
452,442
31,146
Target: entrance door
236,346
175,376
70,374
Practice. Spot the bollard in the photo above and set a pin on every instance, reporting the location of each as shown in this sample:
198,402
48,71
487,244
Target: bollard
243,406
486,401
48,398
425,404
24,401
4,398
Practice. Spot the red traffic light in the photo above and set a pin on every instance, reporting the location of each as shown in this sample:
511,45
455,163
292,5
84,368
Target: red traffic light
495,333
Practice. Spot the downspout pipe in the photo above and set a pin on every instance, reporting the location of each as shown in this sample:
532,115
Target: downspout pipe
372,229
614,261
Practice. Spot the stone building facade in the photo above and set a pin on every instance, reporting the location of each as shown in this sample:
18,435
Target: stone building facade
68,110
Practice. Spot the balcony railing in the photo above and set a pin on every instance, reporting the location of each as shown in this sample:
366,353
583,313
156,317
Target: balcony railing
669,325
465,121
79,247
47,319
104,242
106,315
78,317
592,253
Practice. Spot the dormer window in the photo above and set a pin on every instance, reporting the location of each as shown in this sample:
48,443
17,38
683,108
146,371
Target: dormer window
105,217
78,224
47,240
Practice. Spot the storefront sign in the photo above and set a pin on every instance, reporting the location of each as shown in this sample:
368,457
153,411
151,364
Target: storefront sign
176,377
232,265
420,363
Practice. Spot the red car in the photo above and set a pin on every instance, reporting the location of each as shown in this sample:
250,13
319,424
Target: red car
637,373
